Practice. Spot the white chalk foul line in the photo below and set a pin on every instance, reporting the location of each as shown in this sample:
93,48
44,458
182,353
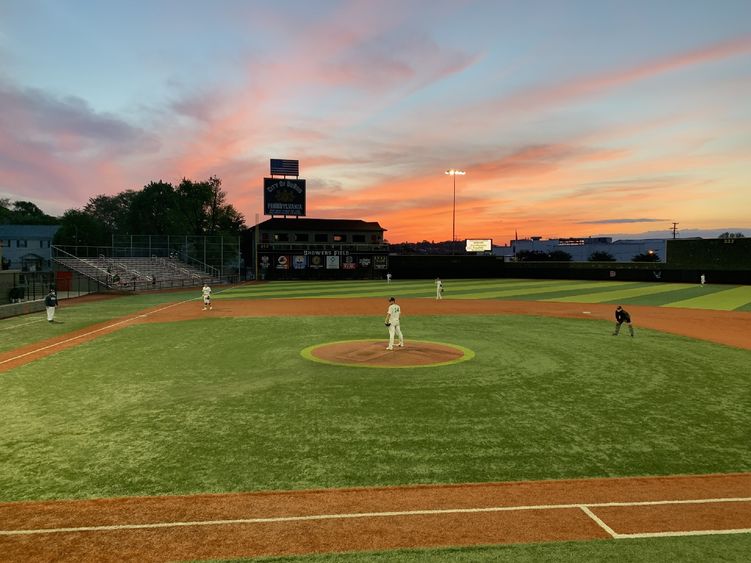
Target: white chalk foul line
20,325
346,516
599,522
55,344
686,533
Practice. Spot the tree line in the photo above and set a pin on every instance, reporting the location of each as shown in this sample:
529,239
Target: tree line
190,208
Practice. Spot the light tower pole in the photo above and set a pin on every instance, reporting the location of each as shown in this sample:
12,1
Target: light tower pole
454,173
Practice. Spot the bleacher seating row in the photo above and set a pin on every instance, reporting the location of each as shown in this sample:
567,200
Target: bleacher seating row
137,273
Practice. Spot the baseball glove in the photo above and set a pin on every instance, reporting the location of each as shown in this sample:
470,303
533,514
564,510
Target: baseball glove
387,324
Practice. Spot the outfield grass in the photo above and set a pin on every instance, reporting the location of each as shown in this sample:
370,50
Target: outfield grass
718,297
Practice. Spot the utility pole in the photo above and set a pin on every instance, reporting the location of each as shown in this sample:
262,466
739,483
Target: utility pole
675,229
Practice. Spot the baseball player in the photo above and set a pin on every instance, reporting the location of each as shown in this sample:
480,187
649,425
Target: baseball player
388,277
206,292
438,288
50,302
392,321
622,316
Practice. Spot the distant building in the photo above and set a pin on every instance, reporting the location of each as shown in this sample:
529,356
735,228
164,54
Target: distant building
581,249
27,247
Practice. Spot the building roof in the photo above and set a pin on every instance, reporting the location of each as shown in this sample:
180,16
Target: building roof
282,224
28,231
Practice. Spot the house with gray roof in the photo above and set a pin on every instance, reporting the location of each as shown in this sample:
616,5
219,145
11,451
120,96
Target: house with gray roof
27,247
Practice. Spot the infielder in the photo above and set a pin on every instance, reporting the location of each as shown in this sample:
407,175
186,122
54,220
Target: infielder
438,288
622,316
206,292
392,321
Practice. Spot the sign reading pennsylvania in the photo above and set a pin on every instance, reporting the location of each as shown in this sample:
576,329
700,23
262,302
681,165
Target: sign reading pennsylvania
283,197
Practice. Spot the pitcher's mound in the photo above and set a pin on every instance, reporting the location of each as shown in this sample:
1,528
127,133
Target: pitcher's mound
373,354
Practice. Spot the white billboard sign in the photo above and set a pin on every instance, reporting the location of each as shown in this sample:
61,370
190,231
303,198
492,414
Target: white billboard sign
479,245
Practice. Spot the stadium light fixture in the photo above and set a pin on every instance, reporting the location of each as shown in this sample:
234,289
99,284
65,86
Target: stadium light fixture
454,173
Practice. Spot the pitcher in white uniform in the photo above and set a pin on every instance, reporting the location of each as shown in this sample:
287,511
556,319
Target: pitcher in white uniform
392,321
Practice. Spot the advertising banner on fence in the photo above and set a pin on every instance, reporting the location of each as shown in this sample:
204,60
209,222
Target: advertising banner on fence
282,263
299,262
316,262
332,262
380,262
349,263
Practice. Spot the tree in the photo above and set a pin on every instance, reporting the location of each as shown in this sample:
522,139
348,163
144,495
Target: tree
649,256
559,256
154,211
5,211
601,256
24,213
727,235
531,256
112,211
205,209
81,228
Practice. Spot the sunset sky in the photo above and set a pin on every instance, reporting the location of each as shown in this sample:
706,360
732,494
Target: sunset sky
571,118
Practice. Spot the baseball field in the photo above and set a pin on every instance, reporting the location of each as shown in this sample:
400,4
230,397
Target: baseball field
276,426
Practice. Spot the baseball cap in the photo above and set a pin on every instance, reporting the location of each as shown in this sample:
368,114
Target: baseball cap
392,298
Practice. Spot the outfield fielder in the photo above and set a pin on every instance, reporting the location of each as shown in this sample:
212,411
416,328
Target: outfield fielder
392,321
206,292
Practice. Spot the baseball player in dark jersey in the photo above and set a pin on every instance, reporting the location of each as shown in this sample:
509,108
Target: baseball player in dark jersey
622,316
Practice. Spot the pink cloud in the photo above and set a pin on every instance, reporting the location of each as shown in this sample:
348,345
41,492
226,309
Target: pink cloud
554,94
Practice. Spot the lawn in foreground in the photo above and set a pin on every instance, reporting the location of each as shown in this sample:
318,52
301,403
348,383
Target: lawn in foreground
222,405
695,549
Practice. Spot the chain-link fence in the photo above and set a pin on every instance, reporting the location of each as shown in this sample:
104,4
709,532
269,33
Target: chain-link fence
217,256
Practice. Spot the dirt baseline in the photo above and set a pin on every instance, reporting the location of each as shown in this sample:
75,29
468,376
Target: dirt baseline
156,529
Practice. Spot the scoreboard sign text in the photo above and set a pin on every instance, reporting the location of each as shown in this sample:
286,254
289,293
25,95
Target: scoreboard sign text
479,245
284,197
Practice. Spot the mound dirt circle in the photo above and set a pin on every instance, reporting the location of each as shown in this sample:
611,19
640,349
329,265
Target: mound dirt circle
373,353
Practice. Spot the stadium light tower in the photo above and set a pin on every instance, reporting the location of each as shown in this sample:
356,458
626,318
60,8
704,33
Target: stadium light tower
454,173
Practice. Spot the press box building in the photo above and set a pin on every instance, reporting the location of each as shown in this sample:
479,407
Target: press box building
301,248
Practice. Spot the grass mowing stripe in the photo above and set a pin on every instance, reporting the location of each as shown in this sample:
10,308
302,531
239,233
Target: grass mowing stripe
726,300
602,297
511,293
